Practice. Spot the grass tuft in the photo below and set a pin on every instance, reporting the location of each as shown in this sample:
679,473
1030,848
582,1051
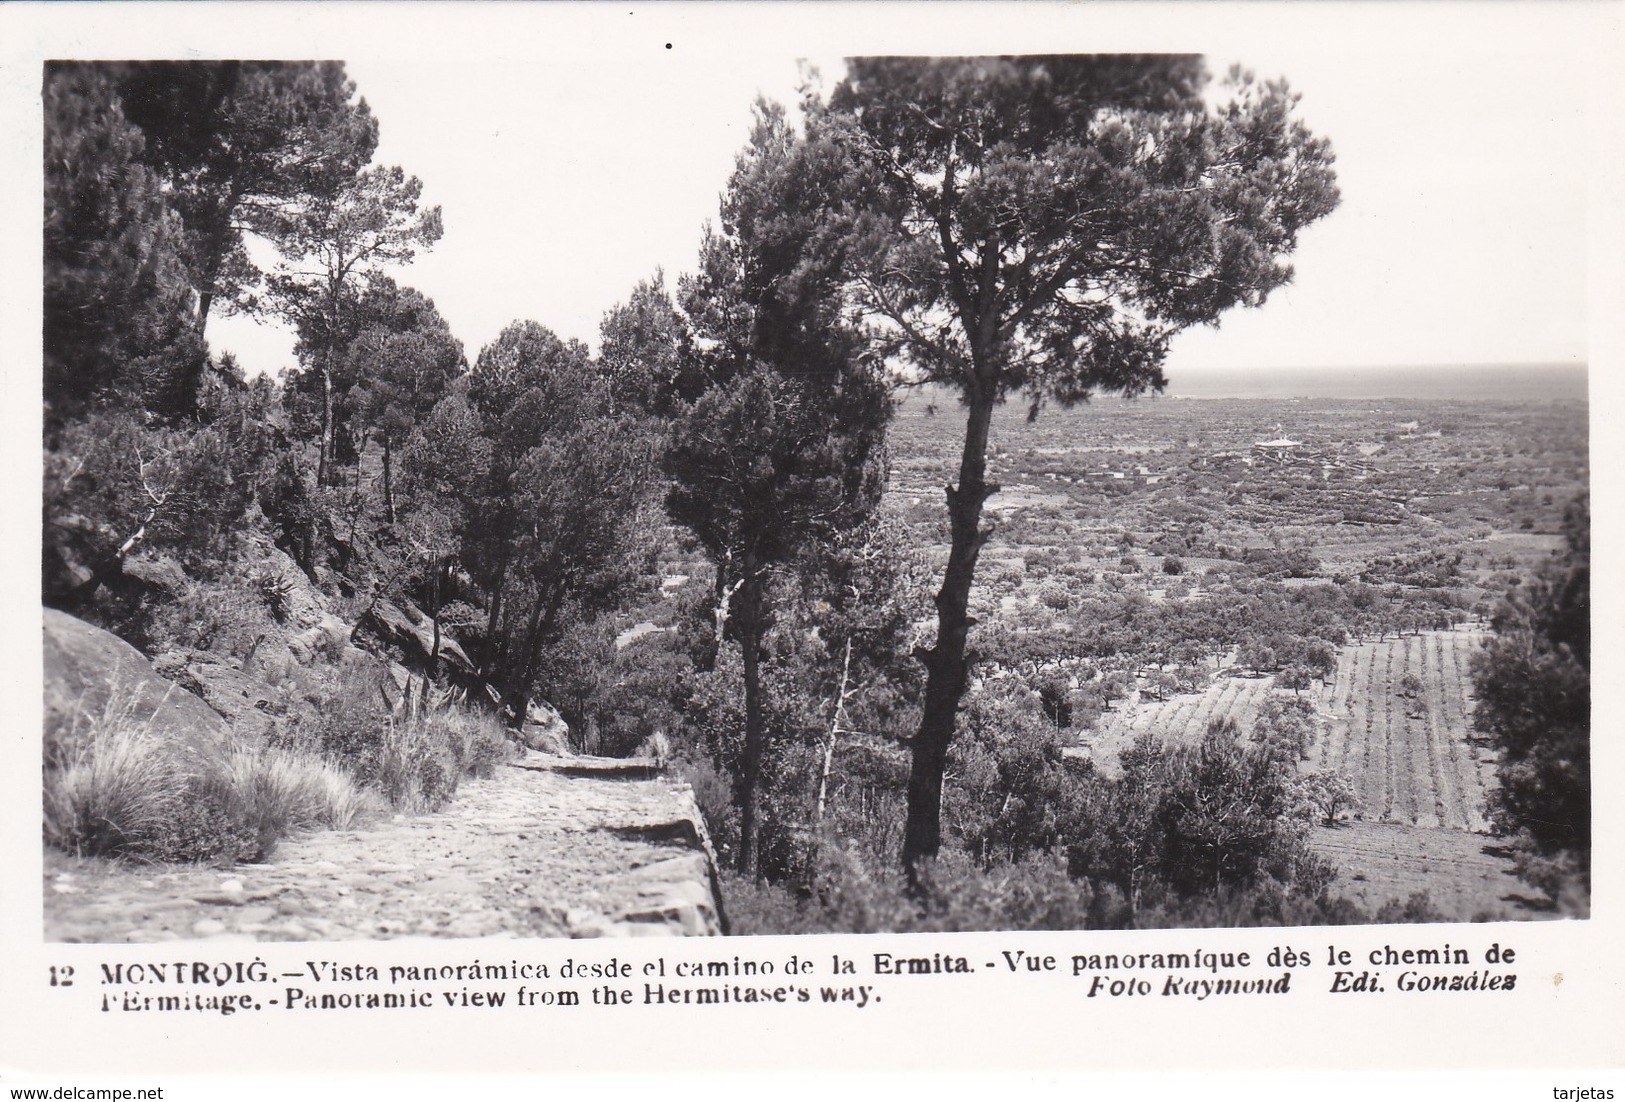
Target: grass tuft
112,797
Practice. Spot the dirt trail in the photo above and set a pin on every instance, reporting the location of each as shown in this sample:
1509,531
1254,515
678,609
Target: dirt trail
548,847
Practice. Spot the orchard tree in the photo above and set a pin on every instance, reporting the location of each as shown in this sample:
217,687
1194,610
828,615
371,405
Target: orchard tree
783,448
1044,226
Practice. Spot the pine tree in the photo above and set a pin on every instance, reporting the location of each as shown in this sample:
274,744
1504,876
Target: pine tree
1044,226
784,446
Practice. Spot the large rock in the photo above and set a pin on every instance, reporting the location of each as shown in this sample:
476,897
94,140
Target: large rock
323,641
94,679
545,730
314,634
255,710
160,574
302,603
414,631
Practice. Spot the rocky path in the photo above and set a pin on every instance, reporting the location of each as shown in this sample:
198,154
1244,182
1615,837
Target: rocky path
549,847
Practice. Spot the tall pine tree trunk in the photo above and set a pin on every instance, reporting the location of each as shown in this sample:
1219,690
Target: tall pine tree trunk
946,670
324,464
494,618
542,619
749,624
389,495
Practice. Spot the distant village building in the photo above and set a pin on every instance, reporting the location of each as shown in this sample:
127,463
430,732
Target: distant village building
1281,450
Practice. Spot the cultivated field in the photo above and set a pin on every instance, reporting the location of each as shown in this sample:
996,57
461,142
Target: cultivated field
1466,876
1160,533
1409,756
1183,717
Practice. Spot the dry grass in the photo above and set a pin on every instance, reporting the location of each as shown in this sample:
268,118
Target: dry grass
114,788
421,760
477,740
295,790
112,797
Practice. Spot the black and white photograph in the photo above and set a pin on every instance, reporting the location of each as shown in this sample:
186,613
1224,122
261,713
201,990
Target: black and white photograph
567,488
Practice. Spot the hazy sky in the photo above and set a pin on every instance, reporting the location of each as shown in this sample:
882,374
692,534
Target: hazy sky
574,153
1460,237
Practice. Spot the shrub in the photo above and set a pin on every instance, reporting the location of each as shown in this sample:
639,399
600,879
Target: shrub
713,794
478,741
1417,908
852,897
1559,876
229,617
418,763
413,766
280,791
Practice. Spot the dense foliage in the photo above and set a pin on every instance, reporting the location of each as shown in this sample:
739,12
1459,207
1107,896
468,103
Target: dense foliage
1533,681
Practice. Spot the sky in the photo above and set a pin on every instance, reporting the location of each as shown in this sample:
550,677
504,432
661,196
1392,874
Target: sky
576,149
1460,238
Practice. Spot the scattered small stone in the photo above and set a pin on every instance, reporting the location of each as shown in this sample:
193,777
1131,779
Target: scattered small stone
208,927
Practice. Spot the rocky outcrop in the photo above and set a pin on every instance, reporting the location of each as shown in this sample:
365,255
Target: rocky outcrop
159,574
253,708
93,677
414,632
314,633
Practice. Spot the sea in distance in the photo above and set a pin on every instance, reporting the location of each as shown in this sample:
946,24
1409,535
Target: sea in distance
1497,382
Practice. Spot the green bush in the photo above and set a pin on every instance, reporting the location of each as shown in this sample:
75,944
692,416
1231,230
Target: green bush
852,897
228,616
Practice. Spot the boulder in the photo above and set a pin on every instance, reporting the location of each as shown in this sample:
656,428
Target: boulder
255,710
303,604
413,631
545,730
160,574
94,679
313,634
323,640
